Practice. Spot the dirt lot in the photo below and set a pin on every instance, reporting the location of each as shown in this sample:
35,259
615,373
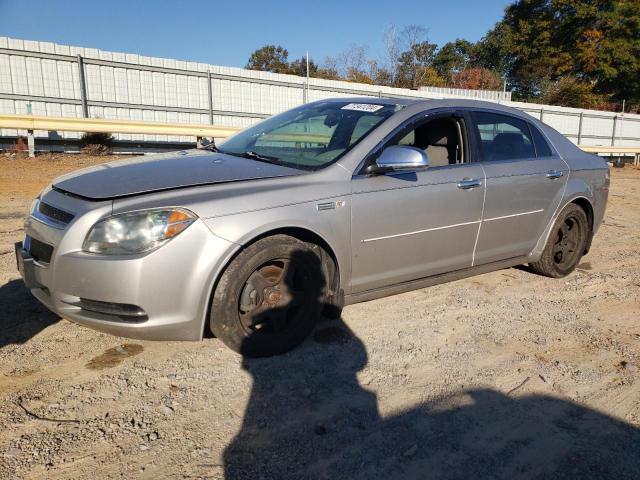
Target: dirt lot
506,375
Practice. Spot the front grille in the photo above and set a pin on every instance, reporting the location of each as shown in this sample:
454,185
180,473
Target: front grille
40,250
55,213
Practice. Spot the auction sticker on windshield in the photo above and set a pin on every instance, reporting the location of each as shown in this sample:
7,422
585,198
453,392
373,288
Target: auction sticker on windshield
362,107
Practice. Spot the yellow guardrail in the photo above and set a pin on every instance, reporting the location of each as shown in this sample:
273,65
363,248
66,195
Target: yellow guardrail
34,122
614,149
635,151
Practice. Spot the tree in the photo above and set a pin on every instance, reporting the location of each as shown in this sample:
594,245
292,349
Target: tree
299,67
270,58
327,74
429,77
453,57
570,92
491,51
358,76
392,50
352,61
380,74
329,69
406,51
541,41
351,64
477,79
417,57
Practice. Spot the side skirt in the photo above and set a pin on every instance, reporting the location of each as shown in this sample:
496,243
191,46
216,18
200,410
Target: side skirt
433,280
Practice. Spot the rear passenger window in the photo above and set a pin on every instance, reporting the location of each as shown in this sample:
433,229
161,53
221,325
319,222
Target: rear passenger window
542,147
503,137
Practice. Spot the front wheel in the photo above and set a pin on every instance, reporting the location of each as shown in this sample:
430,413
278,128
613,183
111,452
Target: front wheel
270,296
566,243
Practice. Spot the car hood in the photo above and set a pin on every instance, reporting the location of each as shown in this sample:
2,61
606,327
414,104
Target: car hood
155,173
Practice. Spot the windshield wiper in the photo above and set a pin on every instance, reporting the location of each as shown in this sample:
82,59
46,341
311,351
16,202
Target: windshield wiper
256,156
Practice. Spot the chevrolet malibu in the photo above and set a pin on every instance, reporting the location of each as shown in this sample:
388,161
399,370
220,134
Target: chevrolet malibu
329,204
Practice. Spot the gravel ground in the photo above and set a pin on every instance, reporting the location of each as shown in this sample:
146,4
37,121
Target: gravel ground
505,375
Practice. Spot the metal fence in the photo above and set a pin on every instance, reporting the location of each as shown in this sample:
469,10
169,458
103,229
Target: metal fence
44,78
489,95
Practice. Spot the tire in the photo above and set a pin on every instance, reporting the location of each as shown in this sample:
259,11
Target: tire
566,244
270,296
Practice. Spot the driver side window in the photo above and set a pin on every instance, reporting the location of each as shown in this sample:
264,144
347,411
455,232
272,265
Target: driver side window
441,138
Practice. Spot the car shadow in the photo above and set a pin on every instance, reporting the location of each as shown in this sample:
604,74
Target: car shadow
525,267
308,417
21,315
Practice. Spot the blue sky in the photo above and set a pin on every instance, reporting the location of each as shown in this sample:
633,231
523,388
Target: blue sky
225,33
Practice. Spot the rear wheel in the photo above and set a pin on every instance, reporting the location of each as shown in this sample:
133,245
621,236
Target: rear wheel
270,296
566,243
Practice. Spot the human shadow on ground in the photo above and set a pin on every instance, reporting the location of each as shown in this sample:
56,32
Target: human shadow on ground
21,315
308,417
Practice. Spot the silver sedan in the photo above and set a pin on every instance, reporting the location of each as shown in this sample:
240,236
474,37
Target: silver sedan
331,203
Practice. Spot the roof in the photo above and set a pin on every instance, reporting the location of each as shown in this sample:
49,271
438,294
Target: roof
430,103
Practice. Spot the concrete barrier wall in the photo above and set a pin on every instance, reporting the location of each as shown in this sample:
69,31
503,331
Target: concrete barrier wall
58,80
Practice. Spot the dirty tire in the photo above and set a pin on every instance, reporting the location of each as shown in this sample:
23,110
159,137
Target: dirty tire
566,243
270,296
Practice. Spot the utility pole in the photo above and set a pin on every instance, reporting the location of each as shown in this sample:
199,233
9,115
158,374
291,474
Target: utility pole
307,77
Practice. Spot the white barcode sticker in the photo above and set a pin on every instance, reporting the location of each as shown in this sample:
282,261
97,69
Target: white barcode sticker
362,107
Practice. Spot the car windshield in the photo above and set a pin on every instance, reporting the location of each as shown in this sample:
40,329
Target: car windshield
309,137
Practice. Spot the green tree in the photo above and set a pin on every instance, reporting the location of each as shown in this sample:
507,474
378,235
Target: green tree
570,92
418,56
299,67
429,77
541,41
491,52
270,58
453,57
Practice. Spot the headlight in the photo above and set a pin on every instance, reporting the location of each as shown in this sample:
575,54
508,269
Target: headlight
136,232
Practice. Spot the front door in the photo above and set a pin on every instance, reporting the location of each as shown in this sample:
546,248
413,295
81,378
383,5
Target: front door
412,225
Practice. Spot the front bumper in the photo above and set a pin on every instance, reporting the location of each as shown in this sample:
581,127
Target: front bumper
171,286
26,266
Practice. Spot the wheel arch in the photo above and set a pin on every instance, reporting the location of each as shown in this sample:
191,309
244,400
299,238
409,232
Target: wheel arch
302,233
583,202
306,235
586,205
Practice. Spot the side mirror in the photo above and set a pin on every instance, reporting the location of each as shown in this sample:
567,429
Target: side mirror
399,157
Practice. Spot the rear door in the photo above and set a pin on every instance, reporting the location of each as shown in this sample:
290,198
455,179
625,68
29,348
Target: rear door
524,183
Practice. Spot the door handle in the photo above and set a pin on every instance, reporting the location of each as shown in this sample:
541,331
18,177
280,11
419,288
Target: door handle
467,183
551,174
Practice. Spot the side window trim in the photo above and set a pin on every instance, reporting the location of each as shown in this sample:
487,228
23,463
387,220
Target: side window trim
533,140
